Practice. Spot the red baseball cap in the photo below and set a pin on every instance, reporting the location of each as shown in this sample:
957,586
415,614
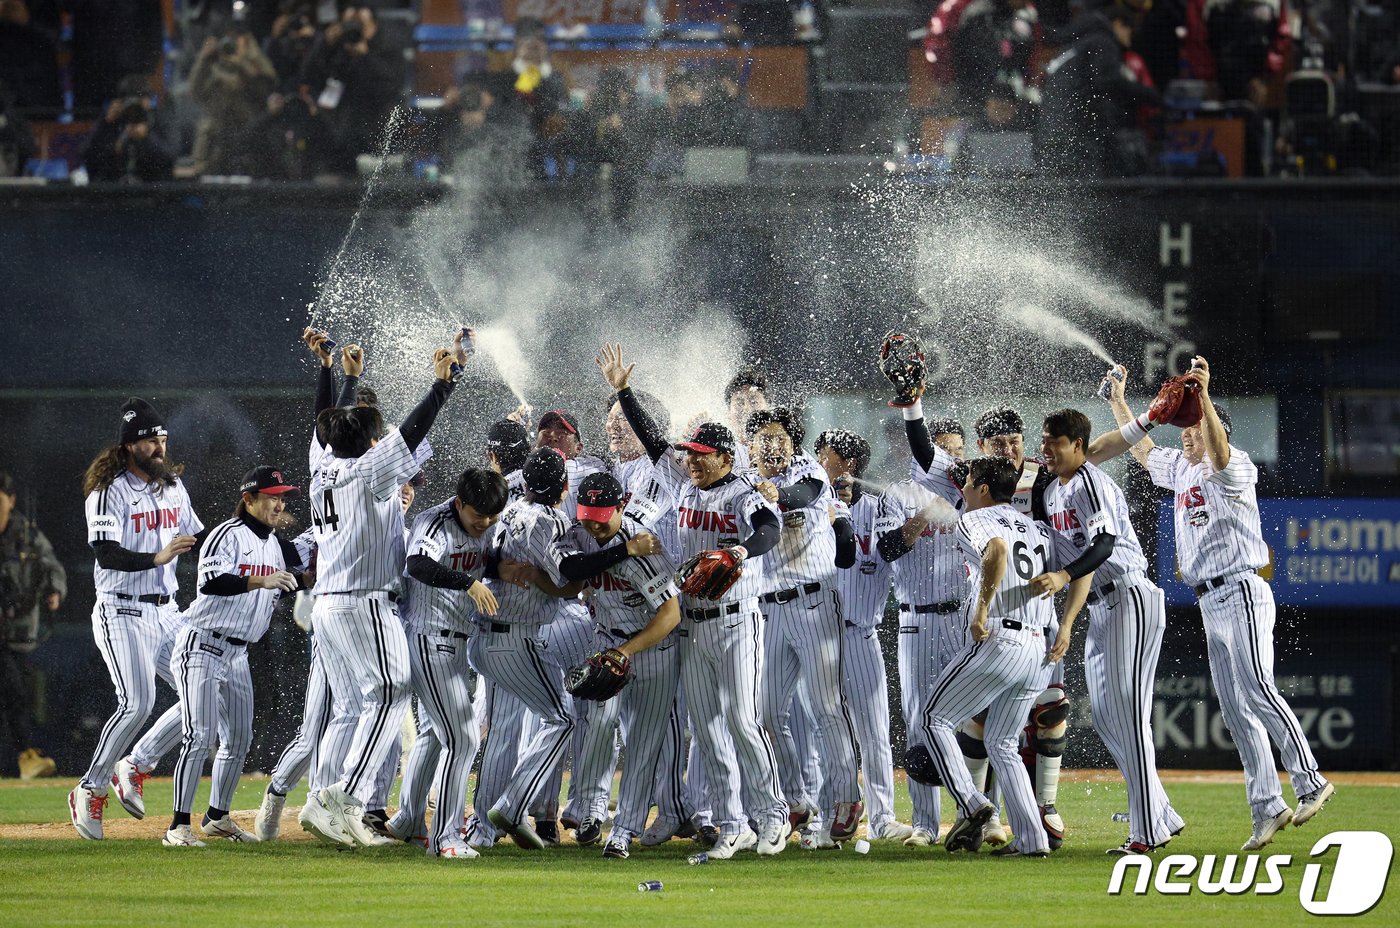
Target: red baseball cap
599,496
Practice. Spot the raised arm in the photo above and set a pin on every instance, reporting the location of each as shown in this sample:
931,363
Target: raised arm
325,376
417,423
617,374
1132,432
352,361
1212,429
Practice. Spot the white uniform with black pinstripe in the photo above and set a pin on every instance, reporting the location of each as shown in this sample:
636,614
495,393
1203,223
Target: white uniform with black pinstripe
803,644
300,755
865,589
929,583
1219,550
722,652
210,659
1002,674
1127,617
439,623
624,600
135,620
358,520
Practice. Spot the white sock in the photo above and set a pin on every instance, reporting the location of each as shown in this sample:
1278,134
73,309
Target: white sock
977,766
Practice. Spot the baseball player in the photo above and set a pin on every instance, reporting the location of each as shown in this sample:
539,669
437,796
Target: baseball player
637,607
805,632
449,550
745,394
1004,666
1220,550
1127,616
358,519
864,589
721,638
507,445
244,567
139,520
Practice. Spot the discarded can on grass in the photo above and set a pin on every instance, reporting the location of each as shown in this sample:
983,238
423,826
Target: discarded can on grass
1121,817
700,858
1106,388
650,886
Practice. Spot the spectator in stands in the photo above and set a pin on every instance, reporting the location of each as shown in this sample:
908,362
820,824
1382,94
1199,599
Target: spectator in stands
1250,41
28,57
1090,99
994,47
16,140
287,142
290,43
355,83
533,93
611,130
468,124
230,80
122,148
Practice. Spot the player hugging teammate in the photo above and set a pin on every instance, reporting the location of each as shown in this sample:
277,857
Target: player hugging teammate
711,603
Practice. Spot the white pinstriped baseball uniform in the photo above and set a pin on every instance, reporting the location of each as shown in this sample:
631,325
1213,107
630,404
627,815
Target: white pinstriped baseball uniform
929,583
358,520
1127,617
865,590
803,643
134,635
625,598
722,652
1219,550
1002,674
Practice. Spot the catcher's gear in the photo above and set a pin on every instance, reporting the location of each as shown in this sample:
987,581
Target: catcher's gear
919,765
601,676
710,574
1177,403
902,363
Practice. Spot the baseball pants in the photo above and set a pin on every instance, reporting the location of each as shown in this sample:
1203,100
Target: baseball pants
802,646
505,720
721,666
867,696
135,640
300,755
697,790
568,642
442,678
1003,675
918,665
1239,626
1120,666
216,696
365,653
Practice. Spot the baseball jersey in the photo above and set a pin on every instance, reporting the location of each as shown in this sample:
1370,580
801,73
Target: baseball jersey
938,479
716,517
357,517
236,548
577,468
438,534
1088,505
140,518
806,549
1032,548
627,595
529,533
515,486
1216,513
865,585
932,572
649,502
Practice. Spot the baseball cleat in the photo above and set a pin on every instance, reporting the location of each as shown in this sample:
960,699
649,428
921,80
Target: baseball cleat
1130,847
818,839
994,833
1010,850
400,828
268,823
890,831
548,830
375,819
773,838
1054,825
181,836
520,832
707,835
616,848
921,837
966,833
659,832
130,784
456,851
316,818
686,830
1266,828
589,833
85,808
1311,804
799,815
729,845
846,820
345,810
226,828
568,821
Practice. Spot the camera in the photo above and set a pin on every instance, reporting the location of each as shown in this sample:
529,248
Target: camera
134,112
228,46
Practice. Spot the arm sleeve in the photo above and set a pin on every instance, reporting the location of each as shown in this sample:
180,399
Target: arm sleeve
935,476
920,444
291,556
1161,466
189,520
112,556
57,577
646,429
1098,551
577,567
417,423
325,387
801,494
347,390
425,570
224,585
767,529
845,543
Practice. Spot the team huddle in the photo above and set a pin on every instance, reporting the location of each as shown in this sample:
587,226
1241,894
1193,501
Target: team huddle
727,586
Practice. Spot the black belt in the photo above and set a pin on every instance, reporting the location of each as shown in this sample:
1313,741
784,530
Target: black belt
1096,595
781,597
1213,583
1013,624
619,633
449,633
154,599
229,638
496,627
704,615
943,608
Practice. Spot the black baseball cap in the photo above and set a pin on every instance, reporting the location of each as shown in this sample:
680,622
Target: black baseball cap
558,417
599,496
708,438
545,472
507,433
266,479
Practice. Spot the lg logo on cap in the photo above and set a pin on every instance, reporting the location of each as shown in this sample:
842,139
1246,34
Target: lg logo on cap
130,414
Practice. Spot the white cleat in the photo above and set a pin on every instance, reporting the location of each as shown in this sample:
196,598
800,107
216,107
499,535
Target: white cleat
890,831
130,784
1311,804
659,832
401,829
85,808
818,839
348,813
1265,829
268,824
774,837
729,845
921,837
181,836
994,833
457,850
227,829
317,819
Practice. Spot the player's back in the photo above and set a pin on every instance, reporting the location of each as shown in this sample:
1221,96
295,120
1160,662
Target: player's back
1030,551
358,518
529,533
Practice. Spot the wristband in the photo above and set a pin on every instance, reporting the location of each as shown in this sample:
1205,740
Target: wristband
914,411
739,551
1136,429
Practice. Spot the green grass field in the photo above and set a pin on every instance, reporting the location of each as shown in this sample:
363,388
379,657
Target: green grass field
49,877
